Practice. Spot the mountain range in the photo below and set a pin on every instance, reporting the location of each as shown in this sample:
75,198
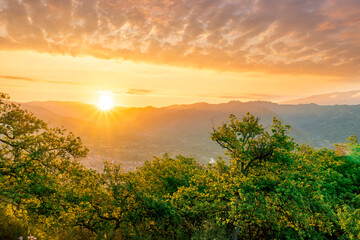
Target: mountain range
131,136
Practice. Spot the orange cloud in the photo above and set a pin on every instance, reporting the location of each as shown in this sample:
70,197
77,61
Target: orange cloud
139,91
275,36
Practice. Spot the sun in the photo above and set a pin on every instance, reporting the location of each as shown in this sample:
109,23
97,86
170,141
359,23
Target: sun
105,102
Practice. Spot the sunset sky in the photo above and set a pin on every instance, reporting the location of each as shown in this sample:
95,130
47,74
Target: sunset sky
163,52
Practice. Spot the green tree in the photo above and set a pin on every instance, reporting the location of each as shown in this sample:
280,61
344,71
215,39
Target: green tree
156,183
249,147
248,144
35,161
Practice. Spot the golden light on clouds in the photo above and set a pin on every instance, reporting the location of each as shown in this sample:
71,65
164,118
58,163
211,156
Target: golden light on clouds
238,35
170,51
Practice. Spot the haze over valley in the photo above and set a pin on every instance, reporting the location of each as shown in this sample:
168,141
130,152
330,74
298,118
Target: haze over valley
131,136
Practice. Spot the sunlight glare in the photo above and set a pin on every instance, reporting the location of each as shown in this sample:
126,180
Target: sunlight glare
105,102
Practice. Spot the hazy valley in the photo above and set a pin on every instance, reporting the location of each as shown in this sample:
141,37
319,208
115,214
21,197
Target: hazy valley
131,136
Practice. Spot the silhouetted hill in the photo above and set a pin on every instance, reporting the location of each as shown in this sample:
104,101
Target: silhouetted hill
133,135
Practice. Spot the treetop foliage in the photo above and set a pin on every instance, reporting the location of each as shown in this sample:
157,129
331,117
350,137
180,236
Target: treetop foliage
249,144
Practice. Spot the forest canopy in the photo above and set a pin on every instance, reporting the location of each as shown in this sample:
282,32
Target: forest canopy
267,187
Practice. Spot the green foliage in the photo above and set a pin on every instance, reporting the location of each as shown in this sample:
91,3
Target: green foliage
350,221
36,162
248,144
34,159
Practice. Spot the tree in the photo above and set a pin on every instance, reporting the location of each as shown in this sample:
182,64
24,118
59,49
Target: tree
248,144
280,190
35,161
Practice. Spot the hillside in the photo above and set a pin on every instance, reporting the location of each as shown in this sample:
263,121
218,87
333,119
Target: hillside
133,135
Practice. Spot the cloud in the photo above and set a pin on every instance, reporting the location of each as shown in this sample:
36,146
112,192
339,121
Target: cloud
139,91
36,80
275,36
19,78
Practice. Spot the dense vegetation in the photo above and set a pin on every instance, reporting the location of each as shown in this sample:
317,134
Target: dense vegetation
268,188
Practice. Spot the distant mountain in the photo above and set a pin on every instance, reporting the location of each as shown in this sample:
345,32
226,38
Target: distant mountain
69,109
133,135
336,98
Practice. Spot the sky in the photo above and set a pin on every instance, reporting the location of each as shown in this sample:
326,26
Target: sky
163,52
